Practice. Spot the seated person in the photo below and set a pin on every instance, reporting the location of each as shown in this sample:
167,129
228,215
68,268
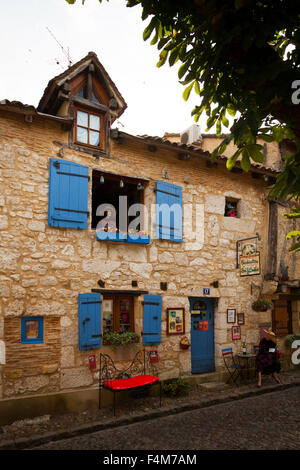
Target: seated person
267,358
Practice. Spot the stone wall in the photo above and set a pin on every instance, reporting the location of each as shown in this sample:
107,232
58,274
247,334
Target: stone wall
43,269
284,257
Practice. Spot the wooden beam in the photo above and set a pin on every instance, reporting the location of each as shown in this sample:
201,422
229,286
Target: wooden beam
289,296
271,266
89,86
120,292
89,104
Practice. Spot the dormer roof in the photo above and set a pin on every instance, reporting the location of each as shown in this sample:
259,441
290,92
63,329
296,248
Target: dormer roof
58,87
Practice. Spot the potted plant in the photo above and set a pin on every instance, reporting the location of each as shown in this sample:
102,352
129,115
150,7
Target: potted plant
175,387
111,234
262,305
290,339
139,237
184,343
115,339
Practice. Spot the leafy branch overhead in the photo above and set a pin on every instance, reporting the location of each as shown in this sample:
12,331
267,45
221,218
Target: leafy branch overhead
241,57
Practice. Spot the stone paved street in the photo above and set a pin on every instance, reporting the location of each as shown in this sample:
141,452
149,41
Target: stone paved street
269,421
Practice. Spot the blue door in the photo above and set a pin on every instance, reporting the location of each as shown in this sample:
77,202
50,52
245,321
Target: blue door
202,335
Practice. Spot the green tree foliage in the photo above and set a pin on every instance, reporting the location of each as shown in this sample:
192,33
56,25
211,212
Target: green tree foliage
242,58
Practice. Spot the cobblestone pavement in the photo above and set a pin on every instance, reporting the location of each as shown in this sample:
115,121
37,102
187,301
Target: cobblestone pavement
32,432
269,421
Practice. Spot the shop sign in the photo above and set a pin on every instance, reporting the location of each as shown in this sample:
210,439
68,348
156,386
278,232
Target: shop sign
250,264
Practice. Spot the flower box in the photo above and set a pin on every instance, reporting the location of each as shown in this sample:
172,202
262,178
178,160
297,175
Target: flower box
138,239
115,236
116,340
111,236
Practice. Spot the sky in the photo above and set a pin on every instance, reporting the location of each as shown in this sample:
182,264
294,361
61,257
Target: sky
30,57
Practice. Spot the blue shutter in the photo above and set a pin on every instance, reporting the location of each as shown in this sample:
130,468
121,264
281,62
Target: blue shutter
89,321
168,221
68,194
152,319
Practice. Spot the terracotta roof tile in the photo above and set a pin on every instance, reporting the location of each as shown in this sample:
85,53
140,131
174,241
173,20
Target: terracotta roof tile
193,148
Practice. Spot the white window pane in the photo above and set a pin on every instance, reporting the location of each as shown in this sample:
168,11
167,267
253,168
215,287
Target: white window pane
94,138
82,118
82,135
94,122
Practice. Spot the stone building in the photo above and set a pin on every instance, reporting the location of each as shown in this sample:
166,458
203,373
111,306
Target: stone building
63,285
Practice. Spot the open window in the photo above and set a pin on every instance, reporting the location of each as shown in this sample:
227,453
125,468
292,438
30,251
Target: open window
118,314
231,207
118,212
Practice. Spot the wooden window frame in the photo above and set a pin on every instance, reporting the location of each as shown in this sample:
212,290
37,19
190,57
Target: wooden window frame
88,111
116,311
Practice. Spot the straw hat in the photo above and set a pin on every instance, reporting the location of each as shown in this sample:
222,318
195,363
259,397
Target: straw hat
270,335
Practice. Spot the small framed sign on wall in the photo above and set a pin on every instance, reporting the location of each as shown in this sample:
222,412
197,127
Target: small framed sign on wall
231,315
236,332
175,321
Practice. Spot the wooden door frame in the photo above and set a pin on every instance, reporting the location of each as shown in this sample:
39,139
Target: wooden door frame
289,317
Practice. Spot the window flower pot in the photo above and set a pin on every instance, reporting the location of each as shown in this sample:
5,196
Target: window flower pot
184,343
137,238
111,236
117,340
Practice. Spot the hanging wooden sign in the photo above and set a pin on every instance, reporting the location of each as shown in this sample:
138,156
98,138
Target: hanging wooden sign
250,265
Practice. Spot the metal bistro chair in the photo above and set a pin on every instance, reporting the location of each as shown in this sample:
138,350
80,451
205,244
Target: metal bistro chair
231,365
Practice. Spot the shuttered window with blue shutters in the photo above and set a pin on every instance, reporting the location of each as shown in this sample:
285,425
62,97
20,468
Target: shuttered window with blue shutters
152,319
68,194
89,321
168,211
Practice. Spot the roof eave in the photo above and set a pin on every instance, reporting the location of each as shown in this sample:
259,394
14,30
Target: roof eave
29,110
194,151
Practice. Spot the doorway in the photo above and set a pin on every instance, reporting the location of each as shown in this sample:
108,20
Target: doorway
202,335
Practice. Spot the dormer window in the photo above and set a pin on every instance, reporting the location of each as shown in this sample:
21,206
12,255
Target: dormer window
89,127
85,93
